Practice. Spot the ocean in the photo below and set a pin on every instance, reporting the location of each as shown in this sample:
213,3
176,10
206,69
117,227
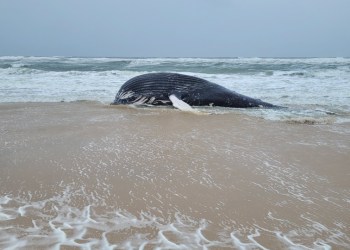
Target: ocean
315,89
78,173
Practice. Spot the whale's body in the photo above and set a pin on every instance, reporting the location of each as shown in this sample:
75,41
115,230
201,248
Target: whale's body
181,91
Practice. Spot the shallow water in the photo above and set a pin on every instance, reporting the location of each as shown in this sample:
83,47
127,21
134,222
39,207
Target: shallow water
89,175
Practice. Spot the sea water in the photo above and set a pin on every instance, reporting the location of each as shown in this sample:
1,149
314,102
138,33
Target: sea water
78,173
314,89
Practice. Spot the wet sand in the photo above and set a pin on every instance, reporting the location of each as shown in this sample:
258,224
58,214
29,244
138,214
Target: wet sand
87,175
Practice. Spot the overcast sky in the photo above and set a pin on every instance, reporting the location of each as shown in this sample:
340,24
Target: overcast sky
175,28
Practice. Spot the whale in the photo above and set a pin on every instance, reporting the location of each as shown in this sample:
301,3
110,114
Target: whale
181,91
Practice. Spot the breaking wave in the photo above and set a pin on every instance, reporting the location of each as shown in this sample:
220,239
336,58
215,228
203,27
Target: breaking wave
54,223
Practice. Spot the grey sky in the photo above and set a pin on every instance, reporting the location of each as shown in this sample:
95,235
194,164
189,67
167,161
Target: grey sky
175,28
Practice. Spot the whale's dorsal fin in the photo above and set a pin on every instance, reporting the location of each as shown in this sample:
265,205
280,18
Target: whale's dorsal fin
178,103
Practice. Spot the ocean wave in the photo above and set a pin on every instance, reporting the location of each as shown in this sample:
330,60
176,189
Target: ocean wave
68,66
5,66
291,82
236,66
243,66
55,223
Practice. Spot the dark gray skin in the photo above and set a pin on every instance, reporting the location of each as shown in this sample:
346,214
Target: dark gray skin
155,89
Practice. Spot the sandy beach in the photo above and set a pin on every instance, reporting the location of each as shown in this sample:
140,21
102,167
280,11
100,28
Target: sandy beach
87,175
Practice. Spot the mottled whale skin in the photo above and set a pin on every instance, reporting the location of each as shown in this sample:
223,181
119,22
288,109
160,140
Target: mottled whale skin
164,88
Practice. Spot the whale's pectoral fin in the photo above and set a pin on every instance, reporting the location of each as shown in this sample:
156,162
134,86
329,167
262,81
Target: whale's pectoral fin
178,103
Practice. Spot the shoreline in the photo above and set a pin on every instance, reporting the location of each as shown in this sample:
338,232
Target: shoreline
121,175
259,113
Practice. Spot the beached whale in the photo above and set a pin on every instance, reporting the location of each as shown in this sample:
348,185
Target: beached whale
181,91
